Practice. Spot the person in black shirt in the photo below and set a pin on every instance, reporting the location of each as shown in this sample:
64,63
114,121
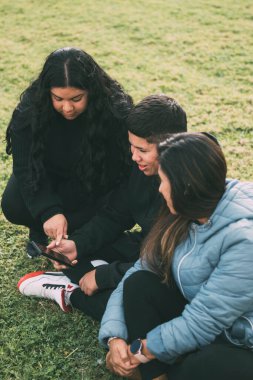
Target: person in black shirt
68,139
136,201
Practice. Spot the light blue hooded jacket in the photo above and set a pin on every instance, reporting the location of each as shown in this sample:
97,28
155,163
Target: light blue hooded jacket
213,268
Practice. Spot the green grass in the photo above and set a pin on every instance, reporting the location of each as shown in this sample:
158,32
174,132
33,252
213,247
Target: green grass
196,51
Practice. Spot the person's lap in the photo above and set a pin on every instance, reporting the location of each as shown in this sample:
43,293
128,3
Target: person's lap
95,304
125,249
219,360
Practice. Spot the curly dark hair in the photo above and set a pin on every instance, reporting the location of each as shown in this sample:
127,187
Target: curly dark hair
108,107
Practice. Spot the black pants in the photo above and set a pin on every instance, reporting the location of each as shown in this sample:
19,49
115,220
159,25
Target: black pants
147,304
126,249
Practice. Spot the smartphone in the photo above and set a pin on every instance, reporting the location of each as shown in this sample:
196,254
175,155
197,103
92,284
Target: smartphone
57,256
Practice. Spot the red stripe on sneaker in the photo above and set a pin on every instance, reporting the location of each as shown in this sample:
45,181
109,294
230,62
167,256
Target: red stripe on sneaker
29,275
66,308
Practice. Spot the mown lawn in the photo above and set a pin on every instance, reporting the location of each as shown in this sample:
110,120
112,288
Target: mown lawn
196,51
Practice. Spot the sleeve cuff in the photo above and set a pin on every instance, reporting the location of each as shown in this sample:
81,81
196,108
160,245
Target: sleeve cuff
49,213
102,276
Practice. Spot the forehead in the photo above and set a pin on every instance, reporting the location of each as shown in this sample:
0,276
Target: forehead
139,142
67,92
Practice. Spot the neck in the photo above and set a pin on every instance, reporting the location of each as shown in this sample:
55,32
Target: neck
202,220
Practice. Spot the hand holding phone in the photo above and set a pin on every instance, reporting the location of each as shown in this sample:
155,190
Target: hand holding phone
57,256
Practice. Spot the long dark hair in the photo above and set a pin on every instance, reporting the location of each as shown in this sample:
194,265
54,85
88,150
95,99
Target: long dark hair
108,107
196,169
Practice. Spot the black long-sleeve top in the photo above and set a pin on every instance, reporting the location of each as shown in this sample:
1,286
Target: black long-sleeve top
137,201
61,187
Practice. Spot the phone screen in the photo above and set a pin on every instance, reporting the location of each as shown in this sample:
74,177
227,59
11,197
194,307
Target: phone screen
57,256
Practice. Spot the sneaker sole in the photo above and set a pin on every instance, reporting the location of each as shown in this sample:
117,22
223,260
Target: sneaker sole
63,306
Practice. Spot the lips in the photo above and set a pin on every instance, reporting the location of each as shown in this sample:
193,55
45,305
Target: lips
142,167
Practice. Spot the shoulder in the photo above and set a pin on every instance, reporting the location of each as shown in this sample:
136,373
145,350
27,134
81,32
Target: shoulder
21,116
235,206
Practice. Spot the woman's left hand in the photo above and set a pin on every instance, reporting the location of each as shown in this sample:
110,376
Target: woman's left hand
144,350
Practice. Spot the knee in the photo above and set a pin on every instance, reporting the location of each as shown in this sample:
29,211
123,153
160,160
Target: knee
6,205
12,203
139,283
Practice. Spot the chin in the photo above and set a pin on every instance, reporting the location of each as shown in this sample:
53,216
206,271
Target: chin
70,117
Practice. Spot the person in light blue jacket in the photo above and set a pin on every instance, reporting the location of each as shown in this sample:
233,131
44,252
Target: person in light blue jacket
203,240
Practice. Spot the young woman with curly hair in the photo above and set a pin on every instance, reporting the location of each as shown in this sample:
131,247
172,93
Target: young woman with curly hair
69,145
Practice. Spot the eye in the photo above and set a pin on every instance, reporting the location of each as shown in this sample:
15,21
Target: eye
57,98
77,99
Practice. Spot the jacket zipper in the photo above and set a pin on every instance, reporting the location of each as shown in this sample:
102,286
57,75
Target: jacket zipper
182,259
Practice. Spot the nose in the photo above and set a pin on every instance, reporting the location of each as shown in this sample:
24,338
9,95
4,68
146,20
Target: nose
67,107
135,155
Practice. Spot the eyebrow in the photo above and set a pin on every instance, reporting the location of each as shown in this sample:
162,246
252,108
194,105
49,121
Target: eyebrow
138,147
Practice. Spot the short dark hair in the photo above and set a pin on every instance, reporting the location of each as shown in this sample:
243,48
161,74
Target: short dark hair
156,115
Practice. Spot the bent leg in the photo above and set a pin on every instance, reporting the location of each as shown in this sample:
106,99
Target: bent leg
93,306
147,304
13,205
124,250
145,295
16,212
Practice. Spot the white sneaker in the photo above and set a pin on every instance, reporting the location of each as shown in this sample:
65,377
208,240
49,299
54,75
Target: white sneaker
50,285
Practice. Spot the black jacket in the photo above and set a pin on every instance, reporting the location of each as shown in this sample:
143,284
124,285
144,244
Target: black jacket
62,188
137,201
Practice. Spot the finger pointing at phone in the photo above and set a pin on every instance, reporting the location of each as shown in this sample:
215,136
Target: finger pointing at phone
56,228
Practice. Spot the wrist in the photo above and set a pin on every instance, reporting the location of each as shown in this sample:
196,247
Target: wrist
109,340
146,351
137,348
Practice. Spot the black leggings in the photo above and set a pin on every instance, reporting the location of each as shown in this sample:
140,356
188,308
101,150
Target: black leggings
149,303
15,210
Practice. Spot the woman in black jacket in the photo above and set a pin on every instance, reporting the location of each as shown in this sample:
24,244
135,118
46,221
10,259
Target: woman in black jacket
69,144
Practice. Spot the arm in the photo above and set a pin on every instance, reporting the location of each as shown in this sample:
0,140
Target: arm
104,228
101,277
224,297
44,203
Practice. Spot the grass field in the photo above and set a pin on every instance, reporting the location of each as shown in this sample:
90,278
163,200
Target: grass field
199,52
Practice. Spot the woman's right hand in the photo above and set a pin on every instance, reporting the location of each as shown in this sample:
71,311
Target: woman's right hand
67,248
118,360
56,227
